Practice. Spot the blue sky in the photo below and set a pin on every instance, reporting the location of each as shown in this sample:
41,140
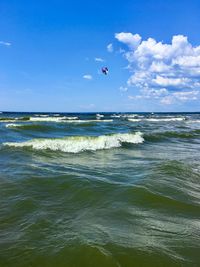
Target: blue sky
51,54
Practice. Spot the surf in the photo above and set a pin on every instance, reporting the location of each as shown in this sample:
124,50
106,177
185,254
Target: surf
76,144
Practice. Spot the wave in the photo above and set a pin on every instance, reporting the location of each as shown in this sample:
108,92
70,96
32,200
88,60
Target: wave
42,115
52,119
98,120
99,116
11,119
131,116
30,126
171,134
13,125
64,119
124,116
78,144
157,119
193,121
115,116
134,120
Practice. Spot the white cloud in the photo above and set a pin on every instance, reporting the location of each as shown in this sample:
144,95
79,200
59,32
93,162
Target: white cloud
5,43
155,67
150,93
87,77
110,48
167,82
177,97
132,40
98,59
167,100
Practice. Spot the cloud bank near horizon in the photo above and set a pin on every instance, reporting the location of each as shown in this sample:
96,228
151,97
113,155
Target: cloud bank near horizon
169,73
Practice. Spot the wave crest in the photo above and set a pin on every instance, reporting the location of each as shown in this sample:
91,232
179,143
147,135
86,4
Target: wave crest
158,119
78,144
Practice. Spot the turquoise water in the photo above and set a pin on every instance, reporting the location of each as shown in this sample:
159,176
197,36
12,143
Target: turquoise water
99,189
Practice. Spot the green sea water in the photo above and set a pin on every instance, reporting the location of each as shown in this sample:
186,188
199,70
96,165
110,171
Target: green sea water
88,190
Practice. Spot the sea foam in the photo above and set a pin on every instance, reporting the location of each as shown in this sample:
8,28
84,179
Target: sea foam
13,125
52,119
77,144
158,119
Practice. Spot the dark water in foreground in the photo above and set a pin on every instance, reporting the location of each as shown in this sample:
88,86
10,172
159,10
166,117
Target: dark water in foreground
87,190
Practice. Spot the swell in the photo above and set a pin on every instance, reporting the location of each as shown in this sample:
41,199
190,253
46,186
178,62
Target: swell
159,136
31,127
177,180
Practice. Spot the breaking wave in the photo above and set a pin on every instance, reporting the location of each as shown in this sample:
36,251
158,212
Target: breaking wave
78,144
157,119
64,119
52,119
13,125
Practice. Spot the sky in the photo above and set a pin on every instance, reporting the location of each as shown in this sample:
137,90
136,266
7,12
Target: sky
52,52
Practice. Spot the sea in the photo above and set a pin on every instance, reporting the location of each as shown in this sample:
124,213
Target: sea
99,189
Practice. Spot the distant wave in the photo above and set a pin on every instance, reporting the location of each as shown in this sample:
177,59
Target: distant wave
99,116
157,119
126,116
134,120
13,125
88,121
53,119
64,119
77,144
31,126
11,119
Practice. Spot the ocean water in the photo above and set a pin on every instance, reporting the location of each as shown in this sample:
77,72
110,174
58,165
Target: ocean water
97,190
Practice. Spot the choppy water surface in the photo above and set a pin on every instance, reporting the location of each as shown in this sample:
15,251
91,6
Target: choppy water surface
99,189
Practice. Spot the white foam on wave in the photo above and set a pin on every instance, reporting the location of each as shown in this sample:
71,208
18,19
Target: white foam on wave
158,119
166,119
126,116
77,144
13,125
134,120
115,116
42,115
193,121
130,115
99,116
86,121
7,120
53,119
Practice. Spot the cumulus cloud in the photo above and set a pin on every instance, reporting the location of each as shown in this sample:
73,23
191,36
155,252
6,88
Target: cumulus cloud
132,40
169,72
180,96
110,48
98,59
5,43
87,77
